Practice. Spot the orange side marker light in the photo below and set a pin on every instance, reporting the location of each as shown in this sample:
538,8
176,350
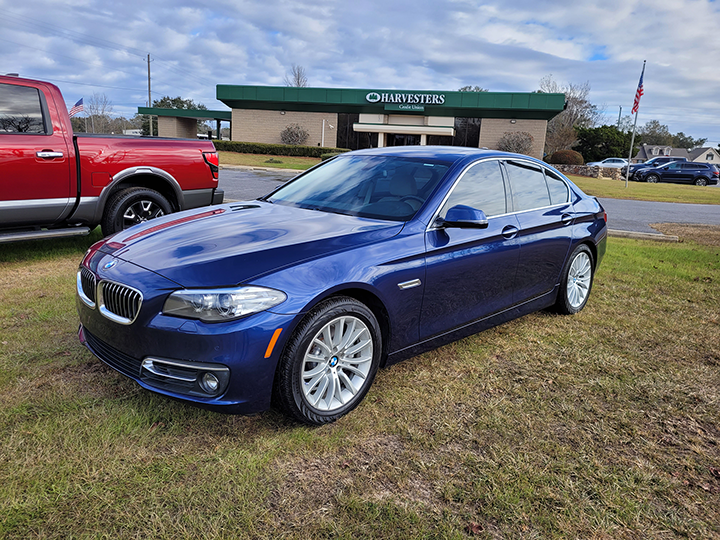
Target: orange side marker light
272,343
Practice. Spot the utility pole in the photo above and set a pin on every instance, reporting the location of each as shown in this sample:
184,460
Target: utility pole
619,115
149,95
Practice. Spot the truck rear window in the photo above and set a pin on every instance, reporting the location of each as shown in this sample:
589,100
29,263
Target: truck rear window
20,110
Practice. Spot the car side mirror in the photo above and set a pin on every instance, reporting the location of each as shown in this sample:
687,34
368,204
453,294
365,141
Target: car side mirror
464,217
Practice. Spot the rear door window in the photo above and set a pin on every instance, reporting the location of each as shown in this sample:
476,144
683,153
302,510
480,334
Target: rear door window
529,189
20,110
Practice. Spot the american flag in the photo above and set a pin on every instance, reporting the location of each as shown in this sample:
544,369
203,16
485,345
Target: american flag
78,107
639,92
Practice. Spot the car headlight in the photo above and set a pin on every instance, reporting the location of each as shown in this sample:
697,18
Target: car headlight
215,305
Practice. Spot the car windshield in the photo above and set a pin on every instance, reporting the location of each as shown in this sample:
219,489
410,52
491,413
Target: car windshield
379,187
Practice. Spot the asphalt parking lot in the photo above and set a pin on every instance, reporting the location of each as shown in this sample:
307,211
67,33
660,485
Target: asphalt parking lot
242,184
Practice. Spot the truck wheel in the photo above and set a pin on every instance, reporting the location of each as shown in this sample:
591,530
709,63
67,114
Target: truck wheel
132,206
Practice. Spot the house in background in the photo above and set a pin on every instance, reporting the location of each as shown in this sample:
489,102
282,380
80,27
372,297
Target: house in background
698,155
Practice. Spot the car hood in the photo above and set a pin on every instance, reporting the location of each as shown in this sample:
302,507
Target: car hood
235,243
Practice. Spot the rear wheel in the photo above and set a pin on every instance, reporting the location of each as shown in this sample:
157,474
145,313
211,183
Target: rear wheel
576,281
132,206
652,179
701,182
329,362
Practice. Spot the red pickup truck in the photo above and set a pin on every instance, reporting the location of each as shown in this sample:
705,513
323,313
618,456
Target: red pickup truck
56,183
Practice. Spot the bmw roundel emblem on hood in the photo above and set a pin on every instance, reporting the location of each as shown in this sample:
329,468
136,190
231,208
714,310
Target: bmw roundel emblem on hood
110,264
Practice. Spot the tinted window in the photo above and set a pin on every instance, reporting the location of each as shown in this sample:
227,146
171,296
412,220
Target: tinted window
480,187
528,187
20,110
558,189
694,166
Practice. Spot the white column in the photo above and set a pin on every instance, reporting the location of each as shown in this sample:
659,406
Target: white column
381,140
423,139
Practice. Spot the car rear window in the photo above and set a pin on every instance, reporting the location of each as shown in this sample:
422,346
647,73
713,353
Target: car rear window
20,110
528,186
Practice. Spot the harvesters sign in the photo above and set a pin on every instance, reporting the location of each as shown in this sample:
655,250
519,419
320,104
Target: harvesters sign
405,102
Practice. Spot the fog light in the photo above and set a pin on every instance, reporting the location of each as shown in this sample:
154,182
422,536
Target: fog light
210,383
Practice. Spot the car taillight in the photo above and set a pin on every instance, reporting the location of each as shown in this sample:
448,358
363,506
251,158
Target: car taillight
213,161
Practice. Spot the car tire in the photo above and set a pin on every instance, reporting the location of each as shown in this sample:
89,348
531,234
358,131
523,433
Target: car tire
330,362
701,181
132,206
576,282
652,179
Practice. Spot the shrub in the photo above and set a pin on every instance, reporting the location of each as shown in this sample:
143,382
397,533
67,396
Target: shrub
294,134
566,157
329,155
274,149
518,142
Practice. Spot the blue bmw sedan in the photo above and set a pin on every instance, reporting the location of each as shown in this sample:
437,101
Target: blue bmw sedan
297,298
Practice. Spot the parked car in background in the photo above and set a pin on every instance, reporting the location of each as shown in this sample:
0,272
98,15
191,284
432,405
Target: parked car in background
54,182
609,163
371,257
700,174
650,163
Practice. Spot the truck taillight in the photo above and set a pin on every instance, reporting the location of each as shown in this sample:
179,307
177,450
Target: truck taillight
213,161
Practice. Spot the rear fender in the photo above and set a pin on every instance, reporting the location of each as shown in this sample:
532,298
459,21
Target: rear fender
142,176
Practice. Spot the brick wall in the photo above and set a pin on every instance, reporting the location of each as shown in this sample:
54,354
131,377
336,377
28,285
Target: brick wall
177,128
492,130
251,125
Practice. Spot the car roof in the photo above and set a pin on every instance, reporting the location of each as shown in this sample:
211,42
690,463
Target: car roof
448,154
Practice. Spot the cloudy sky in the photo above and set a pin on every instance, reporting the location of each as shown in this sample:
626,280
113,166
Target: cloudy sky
88,46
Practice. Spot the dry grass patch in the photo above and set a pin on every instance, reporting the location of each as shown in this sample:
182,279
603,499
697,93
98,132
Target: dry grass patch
706,235
600,425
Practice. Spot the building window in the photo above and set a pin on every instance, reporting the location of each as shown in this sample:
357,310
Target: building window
709,157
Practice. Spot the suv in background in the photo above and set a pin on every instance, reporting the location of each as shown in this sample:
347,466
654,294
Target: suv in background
652,162
700,174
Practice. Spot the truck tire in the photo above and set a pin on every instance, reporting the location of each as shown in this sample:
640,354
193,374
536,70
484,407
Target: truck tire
132,206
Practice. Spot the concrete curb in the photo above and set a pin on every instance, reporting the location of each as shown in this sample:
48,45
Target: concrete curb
657,237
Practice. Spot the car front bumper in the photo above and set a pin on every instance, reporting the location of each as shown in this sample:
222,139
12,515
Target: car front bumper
183,358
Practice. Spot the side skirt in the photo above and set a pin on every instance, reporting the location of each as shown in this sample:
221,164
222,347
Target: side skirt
531,306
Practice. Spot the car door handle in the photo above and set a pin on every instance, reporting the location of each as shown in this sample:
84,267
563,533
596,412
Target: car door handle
566,219
509,231
48,154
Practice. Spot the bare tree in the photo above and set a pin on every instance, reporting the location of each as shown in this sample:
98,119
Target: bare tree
98,109
518,142
297,77
579,112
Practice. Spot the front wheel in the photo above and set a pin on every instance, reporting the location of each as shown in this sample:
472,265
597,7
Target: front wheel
701,182
576,281
132,206
652,179
330,362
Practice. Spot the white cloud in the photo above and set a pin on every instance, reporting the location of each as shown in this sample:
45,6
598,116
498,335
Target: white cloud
503,45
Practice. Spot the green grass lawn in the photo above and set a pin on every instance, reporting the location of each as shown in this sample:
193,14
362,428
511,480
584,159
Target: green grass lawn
262,160
600,425
642,191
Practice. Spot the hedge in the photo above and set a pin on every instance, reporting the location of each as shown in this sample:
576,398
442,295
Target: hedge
275,149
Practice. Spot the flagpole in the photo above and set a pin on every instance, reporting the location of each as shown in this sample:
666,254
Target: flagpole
632,139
